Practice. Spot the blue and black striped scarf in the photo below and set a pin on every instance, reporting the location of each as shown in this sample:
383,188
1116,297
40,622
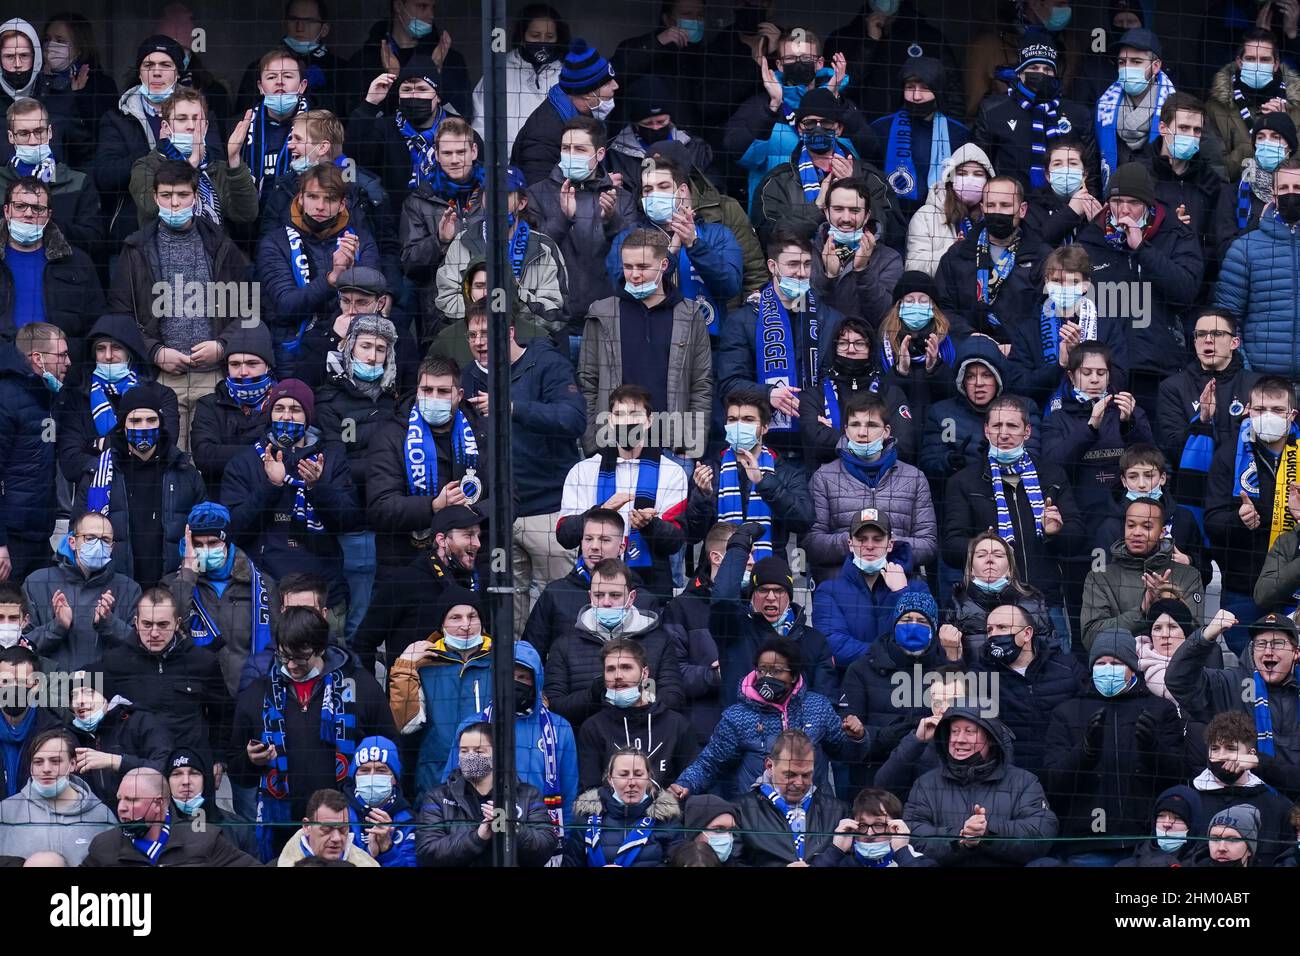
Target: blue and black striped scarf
102,391
1029,477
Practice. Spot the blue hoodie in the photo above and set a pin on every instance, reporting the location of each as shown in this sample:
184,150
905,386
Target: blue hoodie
529,761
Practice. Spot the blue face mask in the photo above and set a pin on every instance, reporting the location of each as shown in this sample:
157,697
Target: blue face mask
367,373
1081,396
1007,456
610,617
659,206
793,288
992,587
1109,679
52,383
1066,181
374,789
1064,297
112,371
287,434
25,233
1270,155
1256,75
249,391
916,315
211,559
577,169
50,791
640,290
1170,842
1184,147
33,155
462,643
189,807
870,565
95,554
742,435
818,140
157,98
435,411
1153,495
912,637
850,240
1134,80
280,103
874,851
142,439
184,143
694,30
301,46
419,28
721,844
302,164
1058,18
176,218
624,697
868,449
88,724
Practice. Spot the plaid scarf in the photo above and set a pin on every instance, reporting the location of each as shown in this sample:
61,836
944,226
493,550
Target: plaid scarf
302,509
208,205
1029,477
796,818
730,504
1046,123
101,405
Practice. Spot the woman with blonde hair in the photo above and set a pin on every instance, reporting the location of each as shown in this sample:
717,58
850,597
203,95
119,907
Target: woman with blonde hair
991,580
950,210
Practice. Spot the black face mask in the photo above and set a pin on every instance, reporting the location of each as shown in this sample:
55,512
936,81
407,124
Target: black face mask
525,697
629,436
135,829
415,110
798,73
1003,648
1223,775
1288,207
1043,87
17,80
540,54
14,712
320,225
649,136
920,110
852,367
771,690
1000,224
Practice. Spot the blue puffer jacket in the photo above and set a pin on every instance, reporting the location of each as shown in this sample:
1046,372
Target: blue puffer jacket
852,615
1260,279
402,852
27,492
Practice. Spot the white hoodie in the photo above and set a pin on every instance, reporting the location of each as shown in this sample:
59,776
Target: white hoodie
928,235
18,25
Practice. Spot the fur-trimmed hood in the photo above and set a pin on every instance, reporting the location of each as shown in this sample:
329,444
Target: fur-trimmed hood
664,807
1221,88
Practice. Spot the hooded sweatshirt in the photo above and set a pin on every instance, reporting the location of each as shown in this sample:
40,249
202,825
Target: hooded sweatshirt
928,235
29,823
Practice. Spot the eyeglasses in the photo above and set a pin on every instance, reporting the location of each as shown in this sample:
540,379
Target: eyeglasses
284,658
852,345
1210,334
22,209
1276,644
30,135
772,671
476,336
102,538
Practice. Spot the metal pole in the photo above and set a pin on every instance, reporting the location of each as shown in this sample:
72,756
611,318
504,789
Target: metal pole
501,297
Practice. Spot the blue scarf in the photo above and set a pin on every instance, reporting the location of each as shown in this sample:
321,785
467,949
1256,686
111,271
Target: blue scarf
44,170
1244,469
561,102
1049,327
1029,478
209,204
419,144
580,566
900,164
730,504
203,626
101,483
831,399
253,393
774,348
986,284
464,197
301,267
335,723
1264,716
255,154
636,552
518,244
1108,117
692,286
1046,125
552,794
422,455
628,851
796,818
101,406
810,177
12,742
152,849
870,472
302,509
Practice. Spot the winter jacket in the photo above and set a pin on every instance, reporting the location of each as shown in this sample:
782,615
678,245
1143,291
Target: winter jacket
421,247
618,822
970,508
543,288
376,143
232,611
838,496
222,428
536,147
686,619
820,442
233,188
347,416
1050,217
768,840
574,663
1148,852
1225,113
1181,524
1090,456
929,234
548,415
1124,778
740,631
1276,835
297,849
75,648
560,603
1239,551
854,614
1280,577
689,363
75,113
941,801
1197,190
785,491
27,493
866,294
1231,220
1164,274
31,824
402,606
968,610
1260,281
526,89
1006,133
663,734
1035,365
448,820
956,279
138,270
367,63
714,207
402,851
187,845
1112,596
1025,701
137,736
74,206
992,49
914,181
72,297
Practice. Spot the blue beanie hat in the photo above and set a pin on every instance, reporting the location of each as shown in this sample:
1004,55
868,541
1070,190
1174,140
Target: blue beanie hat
584,70
209,517
376,748
918,601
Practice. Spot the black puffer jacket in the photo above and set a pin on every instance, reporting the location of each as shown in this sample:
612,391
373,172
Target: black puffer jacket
72,293
27,493
955,283
1090,456
448,827
140,738
222,429
882,689
968,611
352,419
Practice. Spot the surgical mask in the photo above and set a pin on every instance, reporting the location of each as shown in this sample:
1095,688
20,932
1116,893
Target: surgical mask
157,98
641,290
211,559
798,74
88,724
1184,147
870,565
135,829
176,218
25,233
141,439
623,697
1007,456
819,139
771,689
1000,224
1083,397
95,554
659,206
475,766
1134,80
51,790
419,28
603,108
311,674
302,164
721,844
992,587
886,8
184,143
574,167
58,55
1256,75
463,643
287,434
1109,679
189,807
1269,426
916,315
1153,495
610,617
869,449
694,30
850,239
792,287
280,102
10,634
912,636
249,391
32,155
1171,842
1058,18
435,411
367,373
1066,180
415,109
742,435
1064,297
51,382
873,851
1003,647
112,371
1270,155
969,189
301,46
374,788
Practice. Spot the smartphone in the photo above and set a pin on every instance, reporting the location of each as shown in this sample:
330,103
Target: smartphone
254,742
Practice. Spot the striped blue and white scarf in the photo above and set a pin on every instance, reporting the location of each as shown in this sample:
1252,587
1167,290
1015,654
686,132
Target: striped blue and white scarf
302,509
1047,124
102,391
152,849
1029,477
732,507
1108,107
101,483
796,818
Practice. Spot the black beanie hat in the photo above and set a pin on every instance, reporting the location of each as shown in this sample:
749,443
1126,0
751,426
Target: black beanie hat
1133,180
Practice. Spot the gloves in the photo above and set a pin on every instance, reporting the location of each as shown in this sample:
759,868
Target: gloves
1144,733
1092,736
956,460
745,536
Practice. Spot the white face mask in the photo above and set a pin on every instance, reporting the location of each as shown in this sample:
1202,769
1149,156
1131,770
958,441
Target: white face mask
9,634
603,108
1269,426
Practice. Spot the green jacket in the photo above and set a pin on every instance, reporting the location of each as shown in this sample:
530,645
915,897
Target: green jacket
1113,592
235,190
